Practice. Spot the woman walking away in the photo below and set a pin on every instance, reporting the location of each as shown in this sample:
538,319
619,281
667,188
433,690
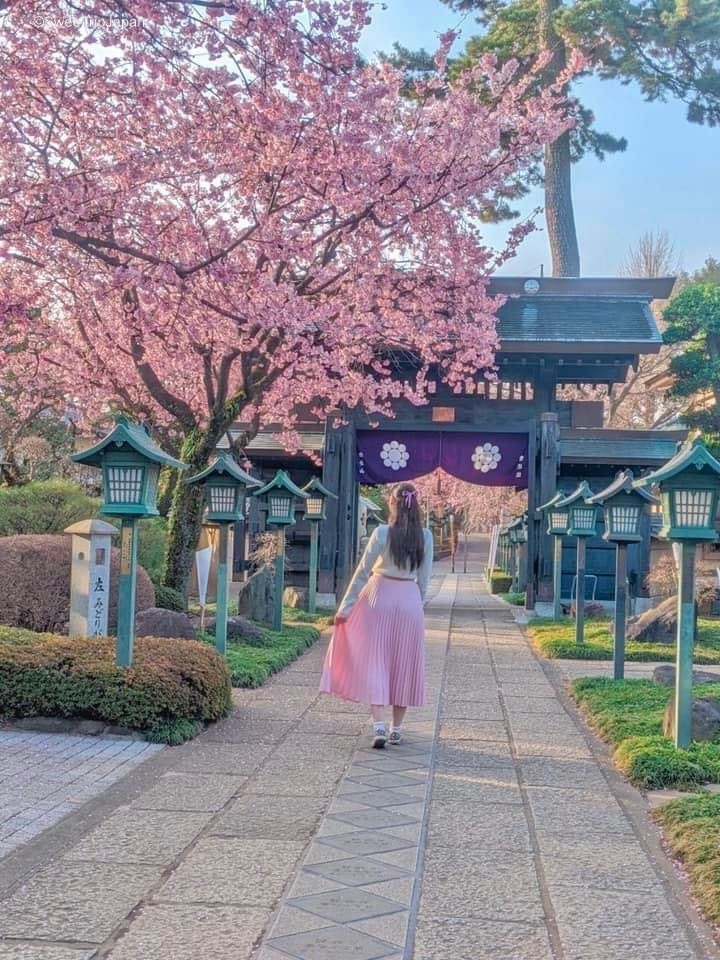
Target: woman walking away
376,655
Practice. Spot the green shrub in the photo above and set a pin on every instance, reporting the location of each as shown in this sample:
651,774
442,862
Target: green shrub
250,666
629,713
169,680
691,829
516,599
500,582
655,762
555,639
169,599
152,546
46,506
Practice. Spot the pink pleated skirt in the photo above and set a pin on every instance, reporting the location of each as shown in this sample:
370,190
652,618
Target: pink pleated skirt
377,656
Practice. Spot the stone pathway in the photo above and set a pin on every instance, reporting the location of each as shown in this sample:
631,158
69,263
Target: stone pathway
498,831
43,777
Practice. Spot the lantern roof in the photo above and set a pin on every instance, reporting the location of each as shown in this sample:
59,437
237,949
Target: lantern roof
692,453
581,492
281,481
623,483
314,486
552,502
517,522
225,465
125,433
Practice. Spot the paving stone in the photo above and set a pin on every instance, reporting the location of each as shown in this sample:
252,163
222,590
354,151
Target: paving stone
190,932
35,951
368,778
231,870
392,928
333,943
81,902
140,836
456,823
306,883
479,886
284,818
566,774
247,729
290,920
346,905
187,791
540,706
471,710
402,858
461,939
597,864
618,925
234,758
473,730
400,889
365,842
356,871
496,786
373,819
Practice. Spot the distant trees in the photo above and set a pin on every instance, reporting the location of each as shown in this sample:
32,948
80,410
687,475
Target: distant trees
693,321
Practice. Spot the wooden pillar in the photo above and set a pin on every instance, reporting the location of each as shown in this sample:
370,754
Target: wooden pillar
534,536
338,531
548,462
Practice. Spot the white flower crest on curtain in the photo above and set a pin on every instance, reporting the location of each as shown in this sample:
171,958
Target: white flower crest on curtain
394,455
486,457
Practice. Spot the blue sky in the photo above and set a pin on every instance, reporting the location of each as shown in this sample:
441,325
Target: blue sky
667,179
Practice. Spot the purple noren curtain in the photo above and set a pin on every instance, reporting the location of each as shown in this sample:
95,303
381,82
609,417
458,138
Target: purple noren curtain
489,459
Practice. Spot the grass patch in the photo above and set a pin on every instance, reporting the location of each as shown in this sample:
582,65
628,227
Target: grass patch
556,640
321,619
691,827
250,666
629,714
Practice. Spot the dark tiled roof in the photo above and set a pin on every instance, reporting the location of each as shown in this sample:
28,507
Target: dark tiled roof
626,451
595,320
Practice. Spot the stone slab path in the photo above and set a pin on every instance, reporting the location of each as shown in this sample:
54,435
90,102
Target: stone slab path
498,830
44,777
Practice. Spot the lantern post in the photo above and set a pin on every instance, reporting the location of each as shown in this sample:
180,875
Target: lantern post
624,507
557,528
281,494
517,532
130,462
224,484
581,525
317,496
689,485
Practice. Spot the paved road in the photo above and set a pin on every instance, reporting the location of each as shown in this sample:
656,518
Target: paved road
498,831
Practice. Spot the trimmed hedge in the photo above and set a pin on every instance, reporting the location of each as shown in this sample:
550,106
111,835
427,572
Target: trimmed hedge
169,599
500,582
35,583
169,681
250,666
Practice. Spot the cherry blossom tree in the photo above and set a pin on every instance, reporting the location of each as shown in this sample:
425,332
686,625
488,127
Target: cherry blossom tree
476,507
215,210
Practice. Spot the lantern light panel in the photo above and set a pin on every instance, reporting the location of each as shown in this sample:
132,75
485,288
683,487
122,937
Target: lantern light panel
222,499
693,507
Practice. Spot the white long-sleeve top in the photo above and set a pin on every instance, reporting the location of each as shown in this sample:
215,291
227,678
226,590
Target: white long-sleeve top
376,559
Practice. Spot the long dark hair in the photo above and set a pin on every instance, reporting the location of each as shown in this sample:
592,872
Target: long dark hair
406,540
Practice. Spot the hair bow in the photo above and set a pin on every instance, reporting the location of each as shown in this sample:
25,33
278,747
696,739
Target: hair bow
408,496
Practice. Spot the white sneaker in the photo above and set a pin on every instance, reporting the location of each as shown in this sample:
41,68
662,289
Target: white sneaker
395,738
379,738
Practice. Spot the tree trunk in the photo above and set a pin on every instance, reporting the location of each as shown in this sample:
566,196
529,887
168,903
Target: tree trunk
185,517
559,214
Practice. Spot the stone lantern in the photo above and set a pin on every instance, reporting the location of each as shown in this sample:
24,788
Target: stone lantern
557,520
624,507
130,462
582,520
281,494
225,485
689,486
317,497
